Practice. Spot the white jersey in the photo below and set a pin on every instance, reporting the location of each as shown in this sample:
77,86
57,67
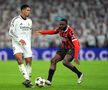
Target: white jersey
21,29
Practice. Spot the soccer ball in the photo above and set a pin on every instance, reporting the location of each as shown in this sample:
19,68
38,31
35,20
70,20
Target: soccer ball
40,82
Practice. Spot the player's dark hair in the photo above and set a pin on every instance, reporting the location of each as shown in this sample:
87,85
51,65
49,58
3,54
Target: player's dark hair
65,20
24,6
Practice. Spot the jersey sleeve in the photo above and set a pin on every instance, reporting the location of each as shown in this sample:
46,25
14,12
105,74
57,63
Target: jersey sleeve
12,30
75,42
50,32
77,47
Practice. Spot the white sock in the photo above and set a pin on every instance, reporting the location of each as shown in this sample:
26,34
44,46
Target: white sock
23,71
29,69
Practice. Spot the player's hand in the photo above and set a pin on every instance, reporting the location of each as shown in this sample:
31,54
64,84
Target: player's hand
36,33
76,61
22,42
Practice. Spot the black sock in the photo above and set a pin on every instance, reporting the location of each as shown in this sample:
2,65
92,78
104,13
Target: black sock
75,70
50,74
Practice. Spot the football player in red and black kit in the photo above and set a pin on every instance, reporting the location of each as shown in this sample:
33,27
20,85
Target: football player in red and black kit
69,50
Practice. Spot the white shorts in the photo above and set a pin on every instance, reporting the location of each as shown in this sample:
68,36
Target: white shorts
26,50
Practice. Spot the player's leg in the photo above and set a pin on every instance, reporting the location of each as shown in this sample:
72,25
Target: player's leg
28,68
68,64
58,57
52,68
28,65
28,59
18,52
21,66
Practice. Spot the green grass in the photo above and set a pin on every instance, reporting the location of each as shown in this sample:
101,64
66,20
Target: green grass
95,76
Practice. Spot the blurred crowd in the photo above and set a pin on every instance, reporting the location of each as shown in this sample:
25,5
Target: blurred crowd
89,18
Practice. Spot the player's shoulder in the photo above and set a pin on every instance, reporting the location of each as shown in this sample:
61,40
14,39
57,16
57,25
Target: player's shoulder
29,19
15,19
70,28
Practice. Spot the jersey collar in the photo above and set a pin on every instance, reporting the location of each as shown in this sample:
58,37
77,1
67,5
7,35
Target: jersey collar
23,18
66,28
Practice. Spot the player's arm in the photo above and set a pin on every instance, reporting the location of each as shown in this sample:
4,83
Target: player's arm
49,32
45,32
12,33
76,46
12,30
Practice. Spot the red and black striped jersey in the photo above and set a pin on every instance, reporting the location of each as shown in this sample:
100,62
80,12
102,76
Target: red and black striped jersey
68,38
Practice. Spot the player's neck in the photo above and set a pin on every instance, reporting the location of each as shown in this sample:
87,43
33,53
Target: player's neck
23,17
65,28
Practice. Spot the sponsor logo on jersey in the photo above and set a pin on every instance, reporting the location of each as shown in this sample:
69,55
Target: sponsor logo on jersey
25,28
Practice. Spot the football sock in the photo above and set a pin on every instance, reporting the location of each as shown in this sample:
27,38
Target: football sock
75,70
23,71
50,74
29,69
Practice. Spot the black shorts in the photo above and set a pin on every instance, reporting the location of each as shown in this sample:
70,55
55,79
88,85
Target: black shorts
62,52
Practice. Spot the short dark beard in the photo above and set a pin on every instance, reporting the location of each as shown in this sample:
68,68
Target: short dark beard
64,28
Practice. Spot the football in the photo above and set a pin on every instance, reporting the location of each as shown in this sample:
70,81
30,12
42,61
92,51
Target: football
40,82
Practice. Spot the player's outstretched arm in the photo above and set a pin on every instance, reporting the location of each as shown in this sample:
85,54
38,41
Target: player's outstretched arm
49,32
36,33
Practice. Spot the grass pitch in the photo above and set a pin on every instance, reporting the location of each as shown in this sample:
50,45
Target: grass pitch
95,76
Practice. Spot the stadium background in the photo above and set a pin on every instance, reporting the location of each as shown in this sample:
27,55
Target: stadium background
89,18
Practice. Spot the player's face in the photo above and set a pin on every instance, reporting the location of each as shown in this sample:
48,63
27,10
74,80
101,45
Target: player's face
26,11
63,24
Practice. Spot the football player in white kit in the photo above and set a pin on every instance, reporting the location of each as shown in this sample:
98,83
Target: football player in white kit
20,32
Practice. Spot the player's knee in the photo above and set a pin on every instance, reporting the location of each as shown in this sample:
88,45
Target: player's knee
65,62
28,61
53,61
19,61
